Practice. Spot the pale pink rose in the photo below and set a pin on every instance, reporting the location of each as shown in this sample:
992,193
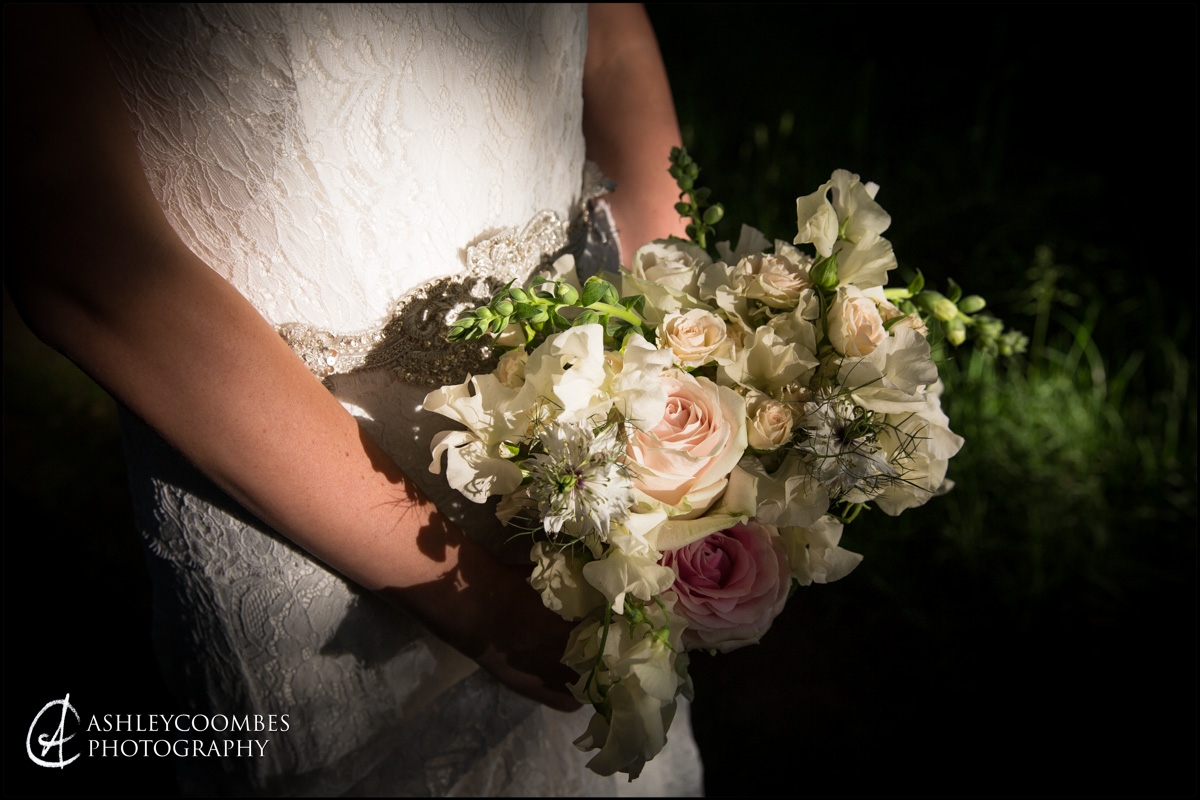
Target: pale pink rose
731,585
855,327
684,461
694,337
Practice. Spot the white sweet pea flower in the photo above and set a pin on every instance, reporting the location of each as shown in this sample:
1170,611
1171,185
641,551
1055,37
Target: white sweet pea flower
558,577
814,554
789,496
634,386
470,468
922,444
817,221
855,205
767,362
866,262
642,680
477,462
619,574
568,369
750,241
891,378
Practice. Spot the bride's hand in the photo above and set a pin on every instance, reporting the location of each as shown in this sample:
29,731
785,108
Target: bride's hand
524,647
488,612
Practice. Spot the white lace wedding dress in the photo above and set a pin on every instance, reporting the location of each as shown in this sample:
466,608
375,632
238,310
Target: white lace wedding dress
356,171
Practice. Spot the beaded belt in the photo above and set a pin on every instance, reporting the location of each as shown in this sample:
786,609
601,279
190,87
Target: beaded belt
411,341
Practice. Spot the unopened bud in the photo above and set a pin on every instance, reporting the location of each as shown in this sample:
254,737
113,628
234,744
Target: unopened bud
972,304
956,332
825,272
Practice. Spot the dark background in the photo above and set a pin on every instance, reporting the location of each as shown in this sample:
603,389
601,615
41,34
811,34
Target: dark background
1034,631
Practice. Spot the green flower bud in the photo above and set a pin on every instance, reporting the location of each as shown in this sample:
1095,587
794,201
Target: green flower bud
685,183
938,305
518,294
566,293
956,332
713,215
825,272
503,307
971,304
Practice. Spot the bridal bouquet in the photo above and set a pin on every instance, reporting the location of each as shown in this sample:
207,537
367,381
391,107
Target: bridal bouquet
686,451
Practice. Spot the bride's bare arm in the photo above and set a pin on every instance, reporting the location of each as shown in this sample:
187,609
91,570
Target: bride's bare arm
630,124
98,273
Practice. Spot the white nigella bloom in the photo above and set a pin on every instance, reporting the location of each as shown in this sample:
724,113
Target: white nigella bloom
843,450
580,482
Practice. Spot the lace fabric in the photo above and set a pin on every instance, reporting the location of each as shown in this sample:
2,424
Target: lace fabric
335,163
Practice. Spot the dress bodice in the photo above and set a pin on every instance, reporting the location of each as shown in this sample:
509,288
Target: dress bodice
327,159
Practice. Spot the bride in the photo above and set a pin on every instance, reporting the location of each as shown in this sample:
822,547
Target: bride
258,274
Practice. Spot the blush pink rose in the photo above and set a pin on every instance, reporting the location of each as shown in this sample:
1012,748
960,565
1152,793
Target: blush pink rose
684,461
731,585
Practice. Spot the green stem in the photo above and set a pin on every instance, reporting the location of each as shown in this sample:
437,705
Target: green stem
617,311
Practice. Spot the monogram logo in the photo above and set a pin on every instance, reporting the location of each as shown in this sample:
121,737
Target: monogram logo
58,739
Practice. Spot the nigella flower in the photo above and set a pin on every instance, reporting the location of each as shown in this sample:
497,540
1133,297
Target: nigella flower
579,481
843,450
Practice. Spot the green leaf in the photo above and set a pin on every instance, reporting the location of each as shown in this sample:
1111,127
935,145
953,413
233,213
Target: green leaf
588,317
954,292
635,303
527,310
594,290
916,285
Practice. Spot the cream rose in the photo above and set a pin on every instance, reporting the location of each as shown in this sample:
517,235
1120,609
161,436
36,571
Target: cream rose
675,265
694,338
511,369
684,461
855,327
887,311
773,280
770,424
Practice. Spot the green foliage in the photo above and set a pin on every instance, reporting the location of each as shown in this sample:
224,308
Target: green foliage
527,317
693,201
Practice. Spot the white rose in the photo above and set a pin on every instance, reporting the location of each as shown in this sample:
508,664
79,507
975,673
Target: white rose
670,263
694,338
855,327
511,369
667,273
770,424
774,280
